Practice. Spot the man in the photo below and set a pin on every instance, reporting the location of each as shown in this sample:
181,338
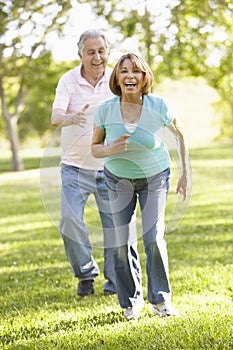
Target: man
78,94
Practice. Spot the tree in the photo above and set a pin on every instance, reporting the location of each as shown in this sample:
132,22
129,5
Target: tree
200,44
181,38
35,120
23,29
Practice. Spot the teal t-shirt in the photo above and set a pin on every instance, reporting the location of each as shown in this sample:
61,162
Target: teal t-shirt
146,154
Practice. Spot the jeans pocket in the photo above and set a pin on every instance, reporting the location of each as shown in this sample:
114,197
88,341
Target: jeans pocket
159,181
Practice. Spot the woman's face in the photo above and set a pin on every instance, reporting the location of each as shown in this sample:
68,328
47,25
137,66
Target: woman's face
130,79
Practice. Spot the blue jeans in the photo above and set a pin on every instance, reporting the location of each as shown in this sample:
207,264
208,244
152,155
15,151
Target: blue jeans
77,185
151,194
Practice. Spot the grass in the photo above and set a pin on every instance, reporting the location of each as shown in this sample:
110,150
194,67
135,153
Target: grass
39,306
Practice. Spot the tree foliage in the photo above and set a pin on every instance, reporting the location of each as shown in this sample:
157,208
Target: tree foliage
177,38
23,29
35,119
200,44
180,39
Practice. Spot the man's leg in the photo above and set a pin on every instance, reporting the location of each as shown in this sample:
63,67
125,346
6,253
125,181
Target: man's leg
74,194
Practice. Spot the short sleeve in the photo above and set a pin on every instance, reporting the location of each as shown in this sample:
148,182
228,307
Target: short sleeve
98,118
168,111
62,97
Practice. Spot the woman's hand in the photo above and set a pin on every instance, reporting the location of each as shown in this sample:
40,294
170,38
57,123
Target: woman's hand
100,150
182,186
119,145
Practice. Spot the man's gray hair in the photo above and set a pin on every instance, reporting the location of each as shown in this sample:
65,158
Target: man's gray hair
92,34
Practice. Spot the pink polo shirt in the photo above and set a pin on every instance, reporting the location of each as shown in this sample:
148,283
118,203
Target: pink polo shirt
72,94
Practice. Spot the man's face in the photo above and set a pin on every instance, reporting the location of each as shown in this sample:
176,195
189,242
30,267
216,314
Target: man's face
94,55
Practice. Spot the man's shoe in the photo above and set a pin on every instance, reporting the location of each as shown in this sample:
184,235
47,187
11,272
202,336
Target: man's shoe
164,309
85,287
109,288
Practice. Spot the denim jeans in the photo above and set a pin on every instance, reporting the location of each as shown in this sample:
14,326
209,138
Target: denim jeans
151,194
77,185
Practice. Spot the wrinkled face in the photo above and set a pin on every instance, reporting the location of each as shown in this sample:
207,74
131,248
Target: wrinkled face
130,78
94,55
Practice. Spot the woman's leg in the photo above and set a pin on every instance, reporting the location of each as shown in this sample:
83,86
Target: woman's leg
127,264
152,200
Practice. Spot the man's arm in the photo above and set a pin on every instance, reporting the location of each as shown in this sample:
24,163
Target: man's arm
61,118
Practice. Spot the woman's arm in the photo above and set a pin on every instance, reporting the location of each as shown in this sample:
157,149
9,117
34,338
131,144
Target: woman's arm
101,150
182,185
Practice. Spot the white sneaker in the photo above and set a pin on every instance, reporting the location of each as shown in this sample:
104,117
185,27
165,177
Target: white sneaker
129,313
164,309
134,311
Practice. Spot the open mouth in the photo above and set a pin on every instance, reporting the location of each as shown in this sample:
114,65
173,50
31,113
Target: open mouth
97,64
130,84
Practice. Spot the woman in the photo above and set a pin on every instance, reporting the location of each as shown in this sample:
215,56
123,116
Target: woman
127,132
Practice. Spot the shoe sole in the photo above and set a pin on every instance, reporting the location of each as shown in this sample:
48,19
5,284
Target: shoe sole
83,294
129,318
163,314
109,292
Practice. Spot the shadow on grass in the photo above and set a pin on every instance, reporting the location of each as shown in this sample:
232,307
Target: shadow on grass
217,151
29,163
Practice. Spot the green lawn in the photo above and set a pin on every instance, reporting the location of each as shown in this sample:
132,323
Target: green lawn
38,302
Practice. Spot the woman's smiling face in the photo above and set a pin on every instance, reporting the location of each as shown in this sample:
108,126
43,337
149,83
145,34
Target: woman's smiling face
130,78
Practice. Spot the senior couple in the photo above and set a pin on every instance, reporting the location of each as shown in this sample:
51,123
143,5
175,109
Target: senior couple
112,148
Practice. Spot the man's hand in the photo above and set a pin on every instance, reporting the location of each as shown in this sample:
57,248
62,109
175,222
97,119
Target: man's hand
79,117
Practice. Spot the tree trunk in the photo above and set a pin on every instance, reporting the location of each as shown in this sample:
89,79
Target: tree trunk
12,131
232,111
